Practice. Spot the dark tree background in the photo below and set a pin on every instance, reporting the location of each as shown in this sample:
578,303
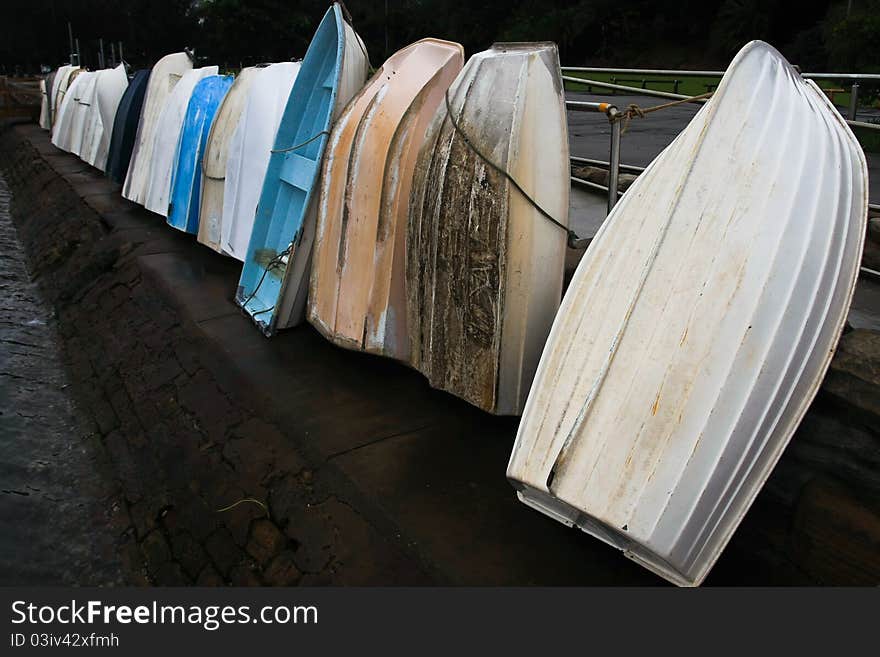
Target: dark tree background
816,34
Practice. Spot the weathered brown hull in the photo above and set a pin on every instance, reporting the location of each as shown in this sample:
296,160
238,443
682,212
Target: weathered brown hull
484,266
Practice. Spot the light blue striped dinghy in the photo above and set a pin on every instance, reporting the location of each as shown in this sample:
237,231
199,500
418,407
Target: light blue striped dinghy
274,279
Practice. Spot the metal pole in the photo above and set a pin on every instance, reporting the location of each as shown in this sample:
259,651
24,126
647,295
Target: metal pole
613,158
78,56
121,58
113,54
70,37
854,101
101,55
636,91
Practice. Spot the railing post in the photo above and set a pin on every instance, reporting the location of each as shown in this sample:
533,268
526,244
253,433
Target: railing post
613,158
854,101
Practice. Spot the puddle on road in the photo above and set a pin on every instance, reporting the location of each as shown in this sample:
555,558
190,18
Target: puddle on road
53,505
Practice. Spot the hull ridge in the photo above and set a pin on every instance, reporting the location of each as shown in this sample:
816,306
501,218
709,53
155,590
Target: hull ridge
699,324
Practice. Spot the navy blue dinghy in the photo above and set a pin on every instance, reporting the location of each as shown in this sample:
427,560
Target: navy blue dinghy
125,126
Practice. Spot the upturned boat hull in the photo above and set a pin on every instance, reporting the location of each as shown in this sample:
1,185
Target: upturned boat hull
249,153
216,156
699,324
109,89
186,181
84,99
164,77
125,126
168,127
357,297
63,77
274,280
68,108
484,266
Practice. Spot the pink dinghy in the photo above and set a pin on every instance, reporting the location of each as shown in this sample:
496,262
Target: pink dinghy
357,295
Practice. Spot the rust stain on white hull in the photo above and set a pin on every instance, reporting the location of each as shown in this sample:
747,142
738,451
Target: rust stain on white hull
357,295
484,267
699,324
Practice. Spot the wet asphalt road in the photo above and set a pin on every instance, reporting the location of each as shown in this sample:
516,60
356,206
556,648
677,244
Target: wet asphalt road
54,501
590,136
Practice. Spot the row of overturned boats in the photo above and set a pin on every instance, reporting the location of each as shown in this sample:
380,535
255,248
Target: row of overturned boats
422,215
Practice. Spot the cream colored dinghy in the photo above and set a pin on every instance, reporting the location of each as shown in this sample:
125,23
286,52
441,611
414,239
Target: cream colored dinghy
249,153
357,297
110,86
158,191
165,75
62,81
216,156
68,108
484,265
699,324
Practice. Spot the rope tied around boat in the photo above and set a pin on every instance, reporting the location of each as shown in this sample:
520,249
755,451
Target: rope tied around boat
276,261
298,146
634,111
572,236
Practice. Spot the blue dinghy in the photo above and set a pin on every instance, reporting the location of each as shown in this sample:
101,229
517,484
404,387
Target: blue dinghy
275,276
186,180
125,126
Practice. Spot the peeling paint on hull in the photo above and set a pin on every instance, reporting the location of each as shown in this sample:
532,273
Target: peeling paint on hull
484,267
699,324
186,180
357,294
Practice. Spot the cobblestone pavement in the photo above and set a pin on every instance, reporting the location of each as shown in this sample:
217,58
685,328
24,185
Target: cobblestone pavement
51,473
180,447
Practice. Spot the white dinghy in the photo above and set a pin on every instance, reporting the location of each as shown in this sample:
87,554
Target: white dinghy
109,88
217,155
164,76
83,97
249,153
484,265
168,125
699,324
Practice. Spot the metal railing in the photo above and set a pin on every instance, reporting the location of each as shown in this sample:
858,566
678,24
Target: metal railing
641,91
611,112
685,73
